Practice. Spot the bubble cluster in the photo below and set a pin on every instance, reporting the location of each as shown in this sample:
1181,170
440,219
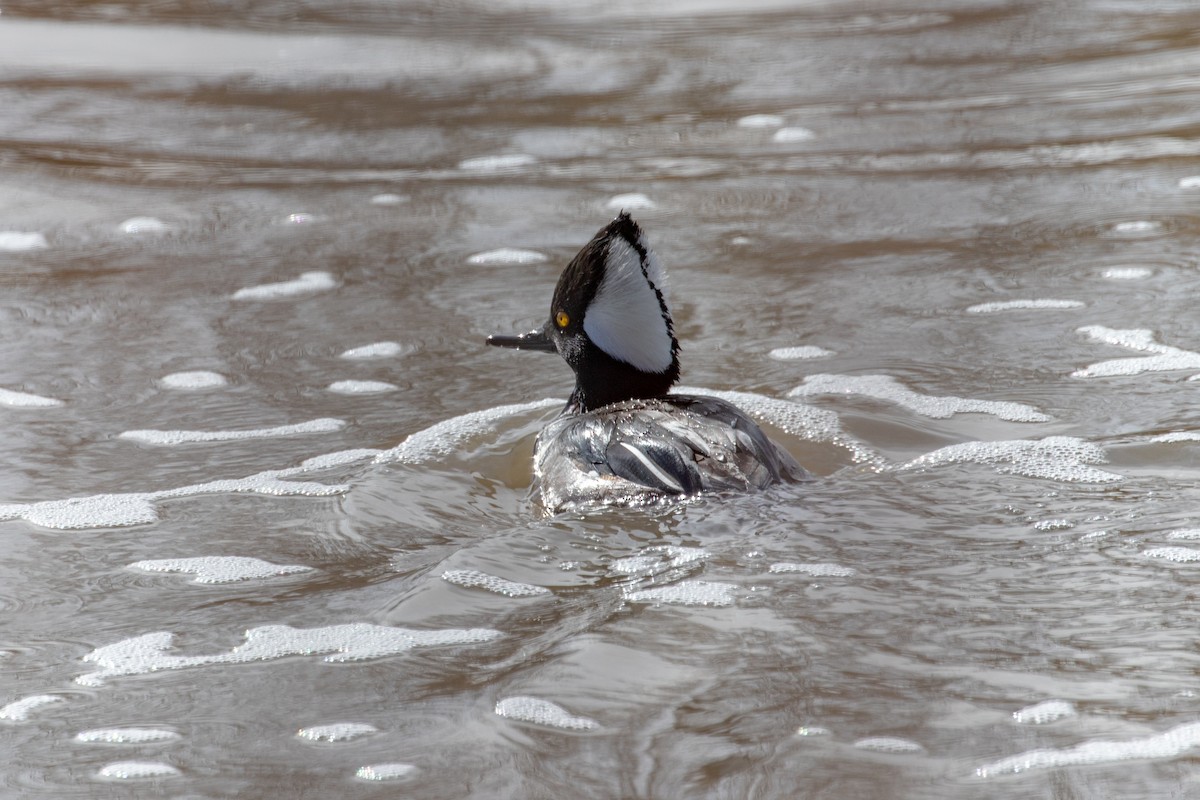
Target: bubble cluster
172,438
1127,273
1053,525
361,387
657,559
126,736
1057,458
543,712
1180,555
885,387
508,255
19,241
220,569
496,163
889,744
800,352
25,400
336,732
1165,357
307,283
1013,305
385,772
686,593
633,201
196,379
1176,436
376,350
1167,744
445,437
19,710
1044,712
357,641
813,570
473,579
135,770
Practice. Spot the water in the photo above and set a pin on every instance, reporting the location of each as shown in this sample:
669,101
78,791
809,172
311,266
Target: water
235,237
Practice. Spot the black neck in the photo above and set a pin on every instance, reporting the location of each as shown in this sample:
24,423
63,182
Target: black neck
601,380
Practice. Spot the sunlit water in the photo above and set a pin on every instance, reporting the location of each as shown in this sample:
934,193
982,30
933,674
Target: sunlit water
265,523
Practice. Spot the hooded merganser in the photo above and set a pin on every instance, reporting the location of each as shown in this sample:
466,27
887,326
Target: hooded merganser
622,439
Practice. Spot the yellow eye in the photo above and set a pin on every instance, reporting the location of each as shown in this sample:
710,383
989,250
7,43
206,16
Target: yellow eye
561,319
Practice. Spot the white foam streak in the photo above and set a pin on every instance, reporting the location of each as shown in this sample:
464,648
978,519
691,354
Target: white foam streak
358,641
1165,357
474,579
307,283
375,350
1167,744
634,201
197,379
220,569
889,744
1180,555
760,121
543,712
140,225
1058,458
813,570
172,438
800,352
1022,305
20,241
508,255
126,736
361,387
686,593
385,772
336,732
445,437
134,770
24,400
1044,712
19,710
885,387
496,163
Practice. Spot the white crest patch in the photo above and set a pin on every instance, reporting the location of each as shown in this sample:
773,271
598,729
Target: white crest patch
624,319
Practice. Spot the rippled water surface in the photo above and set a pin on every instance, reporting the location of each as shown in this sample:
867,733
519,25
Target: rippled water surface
265,519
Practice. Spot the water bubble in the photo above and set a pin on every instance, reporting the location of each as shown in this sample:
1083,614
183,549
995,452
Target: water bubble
760,121
19,710
543,712
19,241
889,744
787,135
686,593
1044,712
197,379
376,350
384,772
142,225
496,163
473,579
1167,744
813,570
361,387
885,387
307,283
24,400
800,352
220,569
135,770
634,201
508,255
172,438
1012,305
336,732
126,736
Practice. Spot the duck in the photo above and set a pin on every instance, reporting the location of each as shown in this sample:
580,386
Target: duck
623,439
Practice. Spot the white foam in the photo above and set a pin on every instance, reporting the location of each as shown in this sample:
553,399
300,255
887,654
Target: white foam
1057,458
126,736
1044,712
445,437
1167,744
496,163
140,225
385,772
814,424
135,770
18,710
336,732
1127,273
1011,305
760,121
801,352
138,508
885,387
361,387
543,712
1053,524
785,135
1180,555
813,730
1190,182
633,201
1176,436
686,593
357,641
196,379
813,570
172,438
20,241
24,400
508,255
1184,533
1165,358
388,199
889,744
375,350
1137,226
220,569
474,579
307,283
657,559
300,218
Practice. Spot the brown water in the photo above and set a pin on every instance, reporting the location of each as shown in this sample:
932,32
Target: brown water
923,159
